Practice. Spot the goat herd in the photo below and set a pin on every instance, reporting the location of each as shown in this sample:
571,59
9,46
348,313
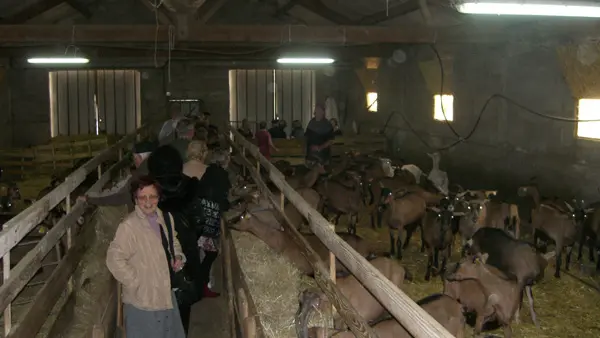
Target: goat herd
496,268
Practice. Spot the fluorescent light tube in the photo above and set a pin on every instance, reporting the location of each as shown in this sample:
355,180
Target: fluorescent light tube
306,60
506,8
58,60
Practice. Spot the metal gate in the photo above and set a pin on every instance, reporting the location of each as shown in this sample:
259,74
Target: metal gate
263,95
94,102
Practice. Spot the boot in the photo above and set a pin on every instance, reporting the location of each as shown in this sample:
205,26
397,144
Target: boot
208,293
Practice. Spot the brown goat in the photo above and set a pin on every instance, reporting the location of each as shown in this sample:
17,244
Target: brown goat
470,295
437,236
359,298
502,293
311,197
554,222
443,309
307,180
343,196
399,212
283,244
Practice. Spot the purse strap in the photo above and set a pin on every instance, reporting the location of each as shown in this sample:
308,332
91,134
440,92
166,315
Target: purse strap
167,241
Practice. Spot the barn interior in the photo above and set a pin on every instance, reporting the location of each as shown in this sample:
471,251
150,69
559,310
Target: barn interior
500,97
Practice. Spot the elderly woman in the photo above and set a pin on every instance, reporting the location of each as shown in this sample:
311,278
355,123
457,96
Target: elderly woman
145,271
196,155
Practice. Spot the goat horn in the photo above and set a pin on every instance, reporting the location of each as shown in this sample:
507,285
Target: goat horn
434,209
459,214
589,210
569,206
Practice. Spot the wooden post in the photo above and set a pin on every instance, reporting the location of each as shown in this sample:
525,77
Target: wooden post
281,200
53,157
120,158
8,310
69,240
243,167
99,170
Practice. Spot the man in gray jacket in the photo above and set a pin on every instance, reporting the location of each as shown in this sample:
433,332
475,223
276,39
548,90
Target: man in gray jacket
120,194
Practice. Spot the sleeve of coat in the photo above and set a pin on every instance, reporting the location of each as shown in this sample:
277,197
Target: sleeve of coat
117,257
176,244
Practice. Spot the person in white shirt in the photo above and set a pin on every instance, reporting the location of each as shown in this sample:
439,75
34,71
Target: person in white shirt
167,132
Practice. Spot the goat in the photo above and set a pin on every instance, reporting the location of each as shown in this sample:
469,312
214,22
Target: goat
436,176
470,295
554,223
443,309
437,234
307,180
283,244
587,220
513,257
502,293
9,192
359,298
311,197
343,197
399,212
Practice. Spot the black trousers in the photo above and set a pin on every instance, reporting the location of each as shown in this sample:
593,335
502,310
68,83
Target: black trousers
185,312
207,262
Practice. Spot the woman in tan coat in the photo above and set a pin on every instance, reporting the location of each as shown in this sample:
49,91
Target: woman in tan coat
143,256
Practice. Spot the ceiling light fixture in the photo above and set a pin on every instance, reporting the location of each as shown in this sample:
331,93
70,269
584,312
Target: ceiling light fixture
538,9
306,60
58,60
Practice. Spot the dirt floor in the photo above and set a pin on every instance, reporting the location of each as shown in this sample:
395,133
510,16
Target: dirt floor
566,307
209,316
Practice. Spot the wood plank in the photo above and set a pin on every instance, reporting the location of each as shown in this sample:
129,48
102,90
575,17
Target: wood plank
418,322
357,324
34,319
32,261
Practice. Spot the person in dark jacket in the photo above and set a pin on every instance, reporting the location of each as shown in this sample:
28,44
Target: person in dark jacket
214,201
319,137
276,130
178,197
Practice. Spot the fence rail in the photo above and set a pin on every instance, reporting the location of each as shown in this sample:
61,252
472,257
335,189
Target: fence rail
16,229
418,322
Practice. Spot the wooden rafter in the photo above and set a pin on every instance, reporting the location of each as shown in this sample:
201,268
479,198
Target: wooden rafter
208,9
31,11
164,18
394,12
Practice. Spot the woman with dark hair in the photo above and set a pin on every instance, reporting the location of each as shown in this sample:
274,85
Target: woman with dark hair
264,140
145,272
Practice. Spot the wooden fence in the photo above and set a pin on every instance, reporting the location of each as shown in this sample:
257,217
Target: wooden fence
418,322
61,153
15,230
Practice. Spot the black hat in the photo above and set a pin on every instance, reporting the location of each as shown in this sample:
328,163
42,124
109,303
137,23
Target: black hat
144,147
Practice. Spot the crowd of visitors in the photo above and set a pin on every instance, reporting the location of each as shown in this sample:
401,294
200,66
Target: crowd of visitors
163,251
176,192
317,137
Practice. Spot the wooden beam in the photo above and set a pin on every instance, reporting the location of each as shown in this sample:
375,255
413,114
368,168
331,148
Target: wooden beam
274,34
164,18
319,8
412,317
22,273
83,10
394,12
355,322
44,301
208,10
31,11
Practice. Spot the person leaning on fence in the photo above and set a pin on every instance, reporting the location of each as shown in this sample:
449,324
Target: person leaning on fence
120,194
319,137
146,272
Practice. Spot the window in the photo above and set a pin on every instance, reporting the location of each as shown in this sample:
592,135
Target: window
589,109
448,112
372,101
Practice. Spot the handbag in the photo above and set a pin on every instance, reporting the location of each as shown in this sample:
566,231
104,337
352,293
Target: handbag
183,287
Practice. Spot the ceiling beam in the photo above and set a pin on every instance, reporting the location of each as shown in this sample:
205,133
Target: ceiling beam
31,11
164,18
275,34
83,10
208,9
394,12
319,8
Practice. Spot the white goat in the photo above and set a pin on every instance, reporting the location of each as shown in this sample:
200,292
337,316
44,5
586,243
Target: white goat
436,176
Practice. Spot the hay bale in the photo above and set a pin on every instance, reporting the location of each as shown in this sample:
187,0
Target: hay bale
274,284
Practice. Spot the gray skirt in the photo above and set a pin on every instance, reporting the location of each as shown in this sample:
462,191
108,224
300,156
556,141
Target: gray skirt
153,324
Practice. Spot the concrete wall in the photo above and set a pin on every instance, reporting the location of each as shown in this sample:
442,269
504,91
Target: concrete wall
510,145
